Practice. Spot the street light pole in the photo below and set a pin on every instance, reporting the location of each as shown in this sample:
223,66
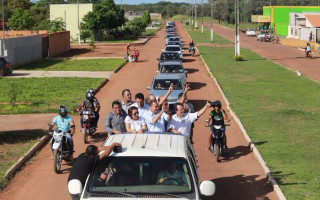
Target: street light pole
237,39
192,14
201,16
3,35
78,23
195,15
211,30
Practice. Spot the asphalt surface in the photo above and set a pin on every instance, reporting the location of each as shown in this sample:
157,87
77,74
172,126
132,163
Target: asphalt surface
237,176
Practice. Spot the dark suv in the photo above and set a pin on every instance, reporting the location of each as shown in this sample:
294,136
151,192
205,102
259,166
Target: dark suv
167,55
5,67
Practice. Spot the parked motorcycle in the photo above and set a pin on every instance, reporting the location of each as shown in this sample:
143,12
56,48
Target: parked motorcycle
60,148
88,129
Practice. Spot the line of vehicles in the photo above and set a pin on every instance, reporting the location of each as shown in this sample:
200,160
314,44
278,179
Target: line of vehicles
137,170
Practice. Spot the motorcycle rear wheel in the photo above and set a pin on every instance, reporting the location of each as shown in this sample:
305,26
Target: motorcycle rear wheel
217,152
57,159
85,135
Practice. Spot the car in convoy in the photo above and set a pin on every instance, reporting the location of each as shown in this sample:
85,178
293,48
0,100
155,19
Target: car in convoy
5,68
173,67
161,83
264,36
138,170
170,35
168,56
250,32
170,30
174,48
175,43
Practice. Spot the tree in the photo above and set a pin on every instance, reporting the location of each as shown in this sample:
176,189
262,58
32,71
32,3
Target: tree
56,25
40,16
105,16
20,20
146,17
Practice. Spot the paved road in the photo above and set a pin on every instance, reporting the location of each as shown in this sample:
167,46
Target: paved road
238,176
290,57
43,74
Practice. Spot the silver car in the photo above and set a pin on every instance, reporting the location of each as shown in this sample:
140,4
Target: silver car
173,68
174,48
161,83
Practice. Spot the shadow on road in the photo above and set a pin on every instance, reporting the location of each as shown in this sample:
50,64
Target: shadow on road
98,137
235,152
188,60
258,188
198,104
191,70
196,85
18,74
20,136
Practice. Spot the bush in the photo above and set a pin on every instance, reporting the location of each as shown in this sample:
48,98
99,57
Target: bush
12,93
108,37
92,43
187,23
239,58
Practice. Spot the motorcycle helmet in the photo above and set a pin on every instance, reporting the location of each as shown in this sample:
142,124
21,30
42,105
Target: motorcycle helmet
89,96
216,103
90,90
63,111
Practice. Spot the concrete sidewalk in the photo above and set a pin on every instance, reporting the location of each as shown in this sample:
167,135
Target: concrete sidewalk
43,74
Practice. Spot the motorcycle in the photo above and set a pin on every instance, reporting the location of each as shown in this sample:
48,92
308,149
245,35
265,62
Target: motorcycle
88,129
60,146
276,40
217,140
308,54
192,51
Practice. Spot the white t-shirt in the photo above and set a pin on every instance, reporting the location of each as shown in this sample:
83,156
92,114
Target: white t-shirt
135,124
142,111
159,126
183,124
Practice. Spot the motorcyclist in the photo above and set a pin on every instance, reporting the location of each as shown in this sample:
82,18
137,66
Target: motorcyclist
308,49
91,104
191,44
65,123
217,116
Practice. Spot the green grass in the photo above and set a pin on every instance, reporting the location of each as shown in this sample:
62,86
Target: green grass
14,144
44,95
204,37
149,32
75,65
280,112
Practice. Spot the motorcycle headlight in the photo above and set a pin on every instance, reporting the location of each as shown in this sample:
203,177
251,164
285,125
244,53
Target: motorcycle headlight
85,117
57,138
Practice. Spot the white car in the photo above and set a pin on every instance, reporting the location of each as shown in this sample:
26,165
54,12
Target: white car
139,171
174,48
250,32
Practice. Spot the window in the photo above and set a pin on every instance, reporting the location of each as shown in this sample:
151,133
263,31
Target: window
164,84
141,175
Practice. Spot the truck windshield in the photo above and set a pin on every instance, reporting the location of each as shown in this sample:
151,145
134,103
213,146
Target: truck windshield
141,175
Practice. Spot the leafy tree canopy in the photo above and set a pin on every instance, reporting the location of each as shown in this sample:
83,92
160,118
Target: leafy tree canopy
20,20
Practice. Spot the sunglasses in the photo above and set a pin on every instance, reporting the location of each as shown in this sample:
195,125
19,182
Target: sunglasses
137,113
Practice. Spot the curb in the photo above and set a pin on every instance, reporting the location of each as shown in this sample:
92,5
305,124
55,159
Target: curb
253,148
13,169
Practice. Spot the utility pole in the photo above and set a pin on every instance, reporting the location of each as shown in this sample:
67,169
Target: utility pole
237,39
211,30
195,15
3,35
201,16
78,23
192,14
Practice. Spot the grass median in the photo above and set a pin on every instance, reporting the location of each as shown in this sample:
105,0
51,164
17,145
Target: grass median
109,64
43,95
204,37
280,112
14,144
